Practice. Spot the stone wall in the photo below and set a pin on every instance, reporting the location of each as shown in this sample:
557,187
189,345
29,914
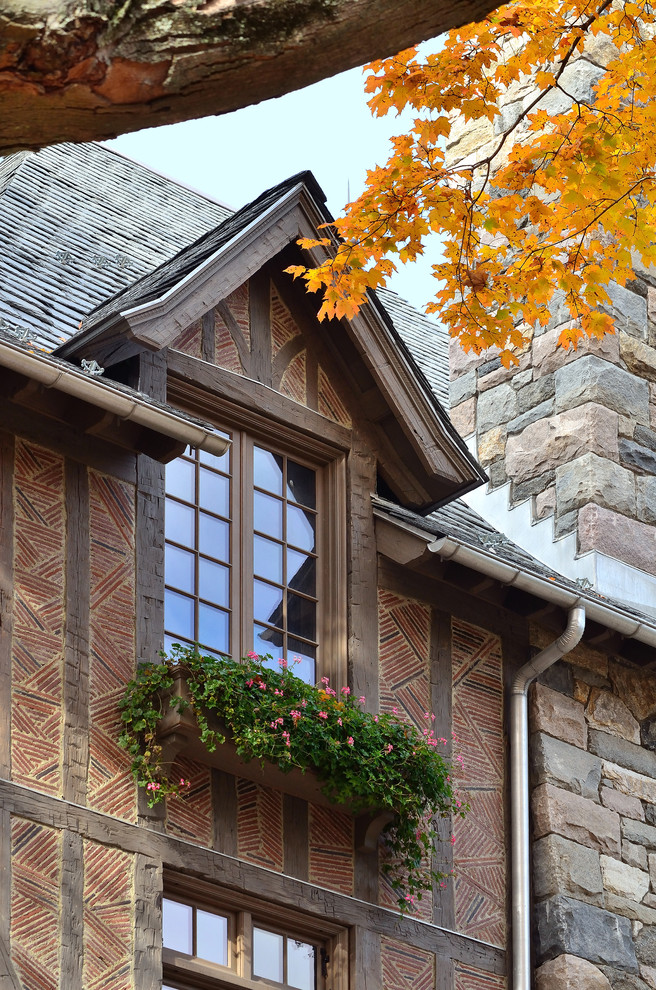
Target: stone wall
593,765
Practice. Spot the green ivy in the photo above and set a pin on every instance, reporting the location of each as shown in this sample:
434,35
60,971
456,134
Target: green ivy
364,761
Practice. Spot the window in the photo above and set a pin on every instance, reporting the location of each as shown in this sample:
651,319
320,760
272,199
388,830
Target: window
248,944
250,554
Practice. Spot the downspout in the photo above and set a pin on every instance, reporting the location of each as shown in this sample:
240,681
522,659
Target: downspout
519,796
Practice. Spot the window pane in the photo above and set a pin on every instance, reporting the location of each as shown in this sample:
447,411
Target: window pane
268,641
267,955
213,628
212,937
267,559
267,514
214,536
179,523
181,479
179,612
177,922
267,470
300,964
267,603
302,572
212,460
307,668
179,568
170,641
214,492
301,484
300,528
214,582
301,617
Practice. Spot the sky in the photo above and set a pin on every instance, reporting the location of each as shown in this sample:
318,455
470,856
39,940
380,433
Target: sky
327,128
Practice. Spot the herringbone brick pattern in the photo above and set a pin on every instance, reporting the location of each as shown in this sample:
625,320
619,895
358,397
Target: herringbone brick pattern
331,849
479,853
293,382
330,404
35,904
283,325
112,660
190,816
107,918
405,967
404,639
39,612
259,824
469,978
190,340
238,302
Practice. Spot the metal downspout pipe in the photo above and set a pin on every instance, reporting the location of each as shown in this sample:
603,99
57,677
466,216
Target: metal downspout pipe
519,792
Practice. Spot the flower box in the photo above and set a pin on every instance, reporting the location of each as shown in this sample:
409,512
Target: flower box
179,735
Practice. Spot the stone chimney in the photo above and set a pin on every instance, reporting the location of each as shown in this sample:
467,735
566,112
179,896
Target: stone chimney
568,438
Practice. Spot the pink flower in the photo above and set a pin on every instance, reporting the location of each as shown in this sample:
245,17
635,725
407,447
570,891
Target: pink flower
395,711
346,690
261,685
304,703
285,736
362,699
296,715
276,691
322,714
375,718
250,683
325,680
350,740
453,840
252,656
339,721
283,663
389,747
153,787
297,660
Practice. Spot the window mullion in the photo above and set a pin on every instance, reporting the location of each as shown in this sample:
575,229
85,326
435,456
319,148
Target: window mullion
244,945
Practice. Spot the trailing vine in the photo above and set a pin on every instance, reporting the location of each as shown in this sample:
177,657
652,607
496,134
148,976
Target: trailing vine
365,761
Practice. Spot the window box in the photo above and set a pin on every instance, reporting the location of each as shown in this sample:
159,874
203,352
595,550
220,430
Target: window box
179,735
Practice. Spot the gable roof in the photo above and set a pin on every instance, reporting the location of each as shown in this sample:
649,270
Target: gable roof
78,223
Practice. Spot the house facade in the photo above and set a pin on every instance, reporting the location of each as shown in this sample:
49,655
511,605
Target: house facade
188,456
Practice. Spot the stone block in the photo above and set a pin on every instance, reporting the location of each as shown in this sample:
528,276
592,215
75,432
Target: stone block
639,357
548,357
635,456
634,784
561,866
645,946
613,533
627,807
623,880
648,973
536,392
541,411
492,445
645,437
646,499
636,688
557,440
635,855
651,859
521,490
591,379
460,360
558,715
496,472
557,762
629,309
565,925
639,832
638,912
558,676
570,973
497,406
607,712
591,478
545,503
463,417
581,691
462,388
590,659
576,818
621,751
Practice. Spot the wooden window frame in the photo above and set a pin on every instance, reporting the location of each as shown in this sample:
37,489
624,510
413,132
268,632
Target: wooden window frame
330,467
246,911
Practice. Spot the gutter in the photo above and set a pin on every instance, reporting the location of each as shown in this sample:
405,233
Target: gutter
130,407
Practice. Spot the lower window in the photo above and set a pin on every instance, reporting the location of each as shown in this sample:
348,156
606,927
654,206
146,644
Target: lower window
214,940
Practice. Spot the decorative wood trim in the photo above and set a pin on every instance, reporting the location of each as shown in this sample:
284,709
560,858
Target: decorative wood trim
76,647
236,334
226,397
284,357
7,453
259,306
295,836
445,976
366,964
180,855
148,885
208,340
224,813
71,954
441,679
8,975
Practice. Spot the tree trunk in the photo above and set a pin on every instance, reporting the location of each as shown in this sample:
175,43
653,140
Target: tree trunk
91,69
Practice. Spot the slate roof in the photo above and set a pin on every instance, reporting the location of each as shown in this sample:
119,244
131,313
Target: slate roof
80,222
426,340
